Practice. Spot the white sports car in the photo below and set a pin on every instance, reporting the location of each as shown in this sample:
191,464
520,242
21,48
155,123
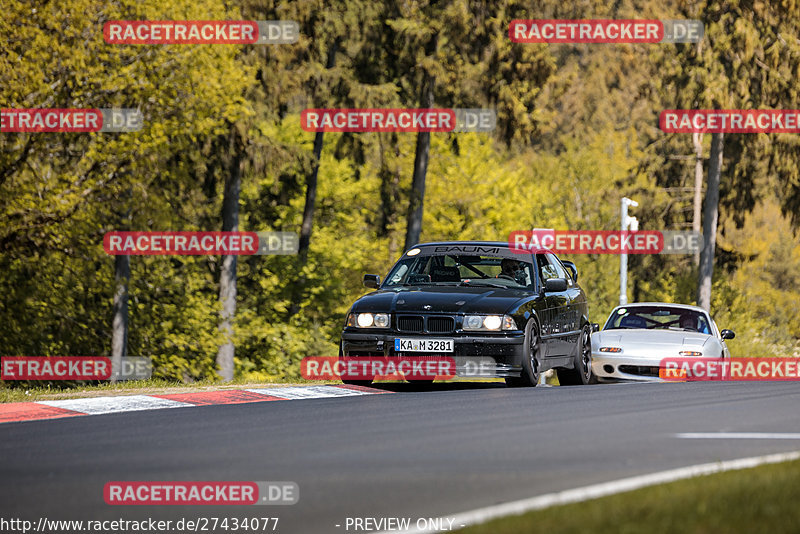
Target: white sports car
636,337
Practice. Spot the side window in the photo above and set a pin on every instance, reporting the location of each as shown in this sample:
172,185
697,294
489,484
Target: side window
546,271
557,270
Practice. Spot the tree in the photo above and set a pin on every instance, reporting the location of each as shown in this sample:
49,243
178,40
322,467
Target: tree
486,70
743,63
61,192
227,275
710,220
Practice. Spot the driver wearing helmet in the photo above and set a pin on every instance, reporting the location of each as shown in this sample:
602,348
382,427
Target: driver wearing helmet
688,322
509,269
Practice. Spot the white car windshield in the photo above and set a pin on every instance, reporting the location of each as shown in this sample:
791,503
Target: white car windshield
658,317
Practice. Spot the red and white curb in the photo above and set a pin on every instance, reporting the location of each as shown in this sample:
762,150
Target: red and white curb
56,409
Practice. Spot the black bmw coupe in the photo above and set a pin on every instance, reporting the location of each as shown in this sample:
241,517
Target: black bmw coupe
524,313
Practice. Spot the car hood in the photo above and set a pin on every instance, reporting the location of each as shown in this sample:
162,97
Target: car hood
442,299
640,338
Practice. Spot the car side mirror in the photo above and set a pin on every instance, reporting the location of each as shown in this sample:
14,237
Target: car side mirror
555,285
372,280
727,334
595,327
573,271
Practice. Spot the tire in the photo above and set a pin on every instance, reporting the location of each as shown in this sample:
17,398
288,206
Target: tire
529,376
421,381
581,374
365,383
423,385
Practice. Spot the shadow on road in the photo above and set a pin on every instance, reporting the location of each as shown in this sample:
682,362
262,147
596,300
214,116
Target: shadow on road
437,386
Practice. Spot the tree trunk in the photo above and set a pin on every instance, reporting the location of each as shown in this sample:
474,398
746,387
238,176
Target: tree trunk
227,278
416,201
311,201
710,218
307,225
311,184
697,139
119,328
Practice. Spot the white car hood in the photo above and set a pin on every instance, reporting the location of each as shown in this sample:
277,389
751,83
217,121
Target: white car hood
642,339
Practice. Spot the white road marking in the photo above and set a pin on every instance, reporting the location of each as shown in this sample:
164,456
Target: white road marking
308,392
739,435
102,405
481,515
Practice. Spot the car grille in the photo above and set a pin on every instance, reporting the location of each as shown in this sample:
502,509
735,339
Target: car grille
640,370
409,323
416,324
441,325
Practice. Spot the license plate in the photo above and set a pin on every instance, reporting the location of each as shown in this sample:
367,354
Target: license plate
423,345
672,374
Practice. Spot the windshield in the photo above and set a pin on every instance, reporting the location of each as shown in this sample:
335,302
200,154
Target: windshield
465,270
658,317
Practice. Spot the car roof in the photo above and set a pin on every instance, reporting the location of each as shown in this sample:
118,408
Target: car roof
477,243
492,243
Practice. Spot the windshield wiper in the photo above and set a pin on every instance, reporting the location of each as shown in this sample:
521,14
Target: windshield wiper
468,283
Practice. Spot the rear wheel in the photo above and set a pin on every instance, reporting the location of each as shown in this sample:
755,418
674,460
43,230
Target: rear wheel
423,384
530,360
364,383
582,373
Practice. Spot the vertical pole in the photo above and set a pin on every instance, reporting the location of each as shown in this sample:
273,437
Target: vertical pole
623,258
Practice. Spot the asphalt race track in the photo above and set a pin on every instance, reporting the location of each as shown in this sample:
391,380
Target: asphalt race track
413,453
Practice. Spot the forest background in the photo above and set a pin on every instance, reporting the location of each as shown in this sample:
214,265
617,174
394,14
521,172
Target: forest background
222,148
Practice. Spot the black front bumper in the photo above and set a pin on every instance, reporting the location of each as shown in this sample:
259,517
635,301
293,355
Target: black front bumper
504,351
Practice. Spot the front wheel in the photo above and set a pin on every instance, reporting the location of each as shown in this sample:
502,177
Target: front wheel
581,374
530,359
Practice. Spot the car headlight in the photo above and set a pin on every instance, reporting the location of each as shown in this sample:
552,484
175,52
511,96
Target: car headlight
473,322
368,320
489,322
493,322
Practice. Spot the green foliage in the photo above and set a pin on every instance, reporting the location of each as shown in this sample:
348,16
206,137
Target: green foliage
577,131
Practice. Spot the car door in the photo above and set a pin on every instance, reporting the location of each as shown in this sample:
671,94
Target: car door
556,314
577,308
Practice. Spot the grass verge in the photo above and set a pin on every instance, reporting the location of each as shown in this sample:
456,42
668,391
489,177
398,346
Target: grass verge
763,499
